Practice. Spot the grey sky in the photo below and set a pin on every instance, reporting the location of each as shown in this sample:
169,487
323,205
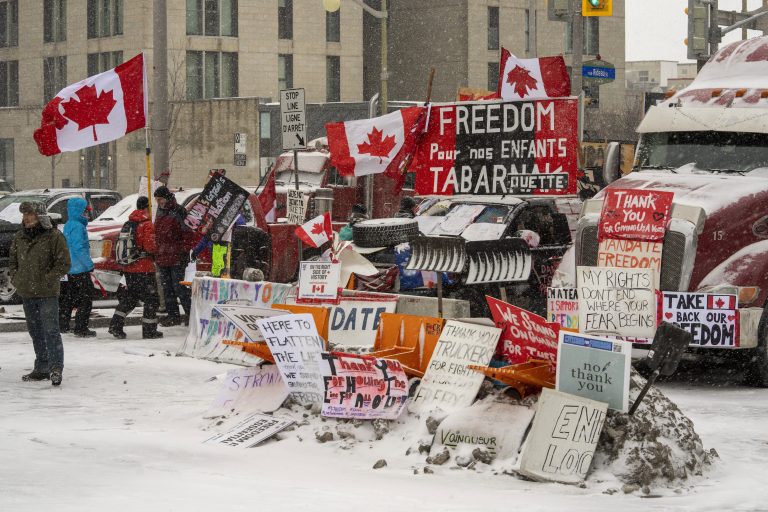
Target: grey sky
656,29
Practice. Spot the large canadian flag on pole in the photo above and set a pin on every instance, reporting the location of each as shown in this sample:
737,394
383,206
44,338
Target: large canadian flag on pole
372,146
532,79
99,109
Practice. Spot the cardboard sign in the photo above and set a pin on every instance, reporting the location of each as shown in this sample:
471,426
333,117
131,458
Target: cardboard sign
363,387
355,320
563,308
253,430
297,350
217,207
713,320
634,214
562,441
319,280
252,389
296,207
244,318
488,148
629,254
617,301
524,335
595,368
448,384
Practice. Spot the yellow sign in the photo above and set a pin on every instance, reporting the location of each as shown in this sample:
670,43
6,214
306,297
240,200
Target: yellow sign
597,7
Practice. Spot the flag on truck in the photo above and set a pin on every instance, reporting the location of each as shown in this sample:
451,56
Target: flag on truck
372,146
268,198
532,79
99,109
317,231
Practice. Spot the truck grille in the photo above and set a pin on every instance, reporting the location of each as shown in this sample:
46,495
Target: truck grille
672,256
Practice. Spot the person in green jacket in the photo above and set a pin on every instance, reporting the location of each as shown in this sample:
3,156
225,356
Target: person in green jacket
39,257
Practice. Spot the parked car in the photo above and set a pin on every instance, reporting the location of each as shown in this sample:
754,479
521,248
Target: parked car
55,201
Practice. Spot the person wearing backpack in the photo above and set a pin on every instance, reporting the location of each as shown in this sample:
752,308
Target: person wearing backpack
134,250
78,285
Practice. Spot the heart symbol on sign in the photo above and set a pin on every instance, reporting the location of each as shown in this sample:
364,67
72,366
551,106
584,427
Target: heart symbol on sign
657,216
668,315
731,317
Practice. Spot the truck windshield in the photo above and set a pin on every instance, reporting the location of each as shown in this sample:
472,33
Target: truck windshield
307,178
727,152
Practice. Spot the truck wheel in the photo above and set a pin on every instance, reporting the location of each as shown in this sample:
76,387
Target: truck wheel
757,365
7,290
384,232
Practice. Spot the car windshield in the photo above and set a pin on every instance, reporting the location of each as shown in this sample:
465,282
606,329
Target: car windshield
307,178
9,207
119,210
721,152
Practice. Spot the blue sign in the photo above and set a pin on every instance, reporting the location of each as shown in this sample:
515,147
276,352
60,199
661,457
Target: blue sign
598,72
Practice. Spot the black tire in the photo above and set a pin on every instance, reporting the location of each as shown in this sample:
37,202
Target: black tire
384,232
756,374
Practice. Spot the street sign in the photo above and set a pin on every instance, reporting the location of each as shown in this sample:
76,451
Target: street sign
241,143
596,72
293,119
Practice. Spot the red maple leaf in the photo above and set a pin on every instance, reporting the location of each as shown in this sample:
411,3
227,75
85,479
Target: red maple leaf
521,79
376,145
720,303
318,228
89,109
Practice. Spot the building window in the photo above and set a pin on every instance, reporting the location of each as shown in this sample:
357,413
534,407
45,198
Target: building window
105,18
212,18
284,72
7,161
591,36
54,21
9,23
527,31
97,166
493,28
54,76
285,19
642,76
9,83
333,78
101,62
265,134
333,26
212,75
493,75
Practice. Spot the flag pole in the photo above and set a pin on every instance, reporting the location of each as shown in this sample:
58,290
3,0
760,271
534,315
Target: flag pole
146,138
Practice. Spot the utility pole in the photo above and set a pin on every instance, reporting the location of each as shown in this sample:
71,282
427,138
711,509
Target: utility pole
384,96
744,10
577,45
160,129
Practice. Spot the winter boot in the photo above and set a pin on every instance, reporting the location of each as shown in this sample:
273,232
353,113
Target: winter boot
86,333
55,376
35,375
150,332
116,327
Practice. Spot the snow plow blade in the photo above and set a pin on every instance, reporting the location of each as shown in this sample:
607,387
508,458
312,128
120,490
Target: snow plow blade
438,254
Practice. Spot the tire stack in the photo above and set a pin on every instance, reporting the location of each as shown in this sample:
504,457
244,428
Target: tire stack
384,232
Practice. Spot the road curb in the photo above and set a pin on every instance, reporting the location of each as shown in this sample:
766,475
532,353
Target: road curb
95,323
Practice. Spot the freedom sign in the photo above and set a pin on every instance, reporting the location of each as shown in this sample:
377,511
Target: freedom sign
216,208
712,319
491,148
524,335
634,215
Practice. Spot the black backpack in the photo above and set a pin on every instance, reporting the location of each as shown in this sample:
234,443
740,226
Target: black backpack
126,247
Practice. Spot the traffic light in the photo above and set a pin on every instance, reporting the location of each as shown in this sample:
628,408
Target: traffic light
596,7
698,29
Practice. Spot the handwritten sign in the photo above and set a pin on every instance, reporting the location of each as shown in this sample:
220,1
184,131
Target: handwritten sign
319,280
563,438
629,254
712,319
363,387
355,320
595,368
216,208
244,318
563,308
297,349
448,384
296,207
251,389
634,214
253,430
524,335
617,301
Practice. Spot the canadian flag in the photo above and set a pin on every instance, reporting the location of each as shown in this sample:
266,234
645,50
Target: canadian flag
317,231
99,109
532,79
268,198
371,146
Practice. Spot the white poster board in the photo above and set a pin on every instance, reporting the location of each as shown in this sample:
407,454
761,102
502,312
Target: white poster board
562,441
355,320
253,430
244,318
448,384
712,319
319,280
255,389
296,207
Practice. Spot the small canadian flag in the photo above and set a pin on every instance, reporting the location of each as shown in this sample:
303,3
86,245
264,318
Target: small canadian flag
317,231
532,79
99,109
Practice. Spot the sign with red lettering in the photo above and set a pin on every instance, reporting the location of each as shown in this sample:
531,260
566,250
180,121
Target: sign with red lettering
497,148
319,280
563,308
712,319
635,214
524,335
629,254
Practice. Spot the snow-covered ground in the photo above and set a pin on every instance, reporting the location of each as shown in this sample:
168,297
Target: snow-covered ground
125,432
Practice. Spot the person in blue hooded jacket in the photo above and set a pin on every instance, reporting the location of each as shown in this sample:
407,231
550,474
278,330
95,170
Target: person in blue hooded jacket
78,289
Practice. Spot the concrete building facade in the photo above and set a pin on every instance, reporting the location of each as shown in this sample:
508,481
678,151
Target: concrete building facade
651,75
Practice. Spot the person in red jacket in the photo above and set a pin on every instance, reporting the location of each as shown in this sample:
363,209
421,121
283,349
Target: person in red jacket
140,279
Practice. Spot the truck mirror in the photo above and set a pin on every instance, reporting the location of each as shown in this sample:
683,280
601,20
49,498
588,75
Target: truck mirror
612,165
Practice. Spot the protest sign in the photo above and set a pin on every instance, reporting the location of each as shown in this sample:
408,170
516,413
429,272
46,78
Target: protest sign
253,430
712,319
629,254
563,308
257,389
616,301
244,318
355,320
297,349
595,368
448,384
297,207
319,280
208,328
363,387
216,208
524,335
562,441
634,214
488,148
